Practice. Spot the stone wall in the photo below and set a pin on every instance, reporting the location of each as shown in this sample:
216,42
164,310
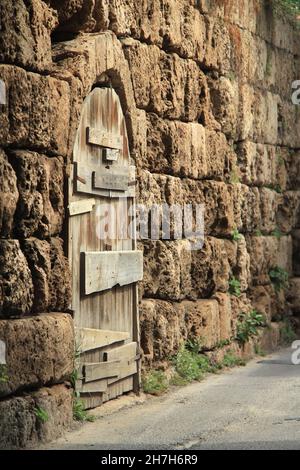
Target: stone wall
206,90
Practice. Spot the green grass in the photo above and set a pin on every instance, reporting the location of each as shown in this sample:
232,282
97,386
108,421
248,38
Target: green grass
79,413
236,236
279,278
287,7
235,287
277,233
155,382
231,360
3,373
41,414
248,326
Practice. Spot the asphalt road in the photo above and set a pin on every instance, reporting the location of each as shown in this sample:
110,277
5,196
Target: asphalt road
254,407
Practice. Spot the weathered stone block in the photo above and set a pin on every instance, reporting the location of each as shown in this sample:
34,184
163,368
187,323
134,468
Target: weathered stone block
224,96
167,269
50,274
19,424
8,195
165,83
16,287
39,351
261,298
225,311
288,216
210,269
162,330
293,170
35,106
41,202
257,164
263,253
25,33
202,320
294,294
269,202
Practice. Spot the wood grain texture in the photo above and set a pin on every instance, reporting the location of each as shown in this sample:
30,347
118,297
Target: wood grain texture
115,309
89,339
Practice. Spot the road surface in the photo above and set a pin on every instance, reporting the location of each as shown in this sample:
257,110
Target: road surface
255,407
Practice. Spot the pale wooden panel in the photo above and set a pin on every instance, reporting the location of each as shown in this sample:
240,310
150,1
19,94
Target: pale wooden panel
81,207
89,338
87,176
126,369
126,352
102,370
104,138
114,309
104,270
98,386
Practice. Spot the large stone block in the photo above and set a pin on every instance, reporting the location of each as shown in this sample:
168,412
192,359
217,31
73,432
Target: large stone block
167,269
39,351
40,183
225,311
37,112
294,294
8,196
162,330
50,274
19,424
202,319
293,170
263,253
25,33
288,216
165,83
210,269
257,164
16,288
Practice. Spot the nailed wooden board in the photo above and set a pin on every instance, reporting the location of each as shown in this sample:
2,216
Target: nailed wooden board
126,352
81,207
89,338
105,270
101,370
99,386
86,176
126,369
104,138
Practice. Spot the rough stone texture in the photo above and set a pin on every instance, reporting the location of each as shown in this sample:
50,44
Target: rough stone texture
9,196
25,30
40,210
16,286
19,424
39,351
34,107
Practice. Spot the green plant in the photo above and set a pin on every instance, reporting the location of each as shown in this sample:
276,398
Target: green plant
275,187
41,414
231,360
277,233
287,333
155,382
248,326
279,278
236,236
187,365
258,233
235,287
177,380
223,343
79,412
3,373
280,160
194,345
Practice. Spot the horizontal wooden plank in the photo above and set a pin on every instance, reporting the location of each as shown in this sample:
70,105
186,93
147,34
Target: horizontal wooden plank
81,207
104,138
126,352
98,386
101,370
107,269
114,179
89,339
84,181
126,369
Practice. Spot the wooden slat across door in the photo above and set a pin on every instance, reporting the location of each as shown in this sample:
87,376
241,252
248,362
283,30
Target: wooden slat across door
104,262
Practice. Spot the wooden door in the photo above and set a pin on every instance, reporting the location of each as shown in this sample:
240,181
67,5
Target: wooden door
104,262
